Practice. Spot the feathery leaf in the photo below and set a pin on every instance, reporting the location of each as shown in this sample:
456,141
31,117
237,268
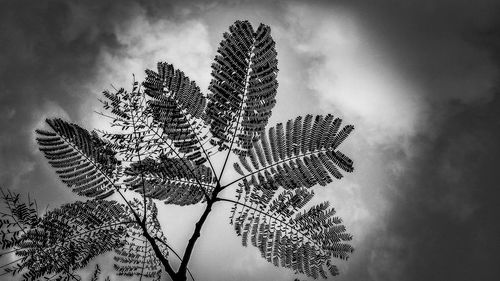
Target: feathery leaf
178,105
136,257
16,218
243,86
303,156
172,180
68,238
287,233
139,133
82,160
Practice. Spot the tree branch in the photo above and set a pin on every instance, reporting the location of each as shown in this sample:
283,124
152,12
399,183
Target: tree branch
196,233
158,253
175,253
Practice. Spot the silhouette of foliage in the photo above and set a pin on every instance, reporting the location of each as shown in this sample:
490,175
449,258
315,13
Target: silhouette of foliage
64,239
175,102
172,180
81,159
243,87
303,241
301,156
135,256
160,147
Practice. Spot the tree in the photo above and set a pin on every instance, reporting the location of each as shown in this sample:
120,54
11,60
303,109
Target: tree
169,142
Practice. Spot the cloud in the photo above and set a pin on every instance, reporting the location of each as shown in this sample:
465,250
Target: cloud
394,67
445,213
415,79
351,75
48,52
349,72
384,265
66,53
430,43
145,42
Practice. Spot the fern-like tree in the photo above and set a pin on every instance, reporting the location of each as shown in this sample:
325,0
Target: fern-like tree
170,143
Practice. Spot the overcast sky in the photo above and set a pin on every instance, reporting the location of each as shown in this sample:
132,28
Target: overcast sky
418,79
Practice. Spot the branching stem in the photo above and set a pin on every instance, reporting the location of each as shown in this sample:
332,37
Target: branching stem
196,234
175,253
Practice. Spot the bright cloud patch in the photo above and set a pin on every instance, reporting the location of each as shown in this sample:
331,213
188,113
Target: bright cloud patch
144,43
350,73
183,44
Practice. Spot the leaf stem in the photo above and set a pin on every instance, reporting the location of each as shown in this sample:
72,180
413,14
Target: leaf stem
137,151
274,164
245,92
291,227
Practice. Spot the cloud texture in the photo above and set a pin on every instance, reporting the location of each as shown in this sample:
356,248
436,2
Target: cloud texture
418,79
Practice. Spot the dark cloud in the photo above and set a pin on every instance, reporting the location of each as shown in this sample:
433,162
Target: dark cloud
430,42
443,219
447,217
49,52
48,49
444,223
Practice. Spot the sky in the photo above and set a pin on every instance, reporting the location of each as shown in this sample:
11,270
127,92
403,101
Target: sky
418,79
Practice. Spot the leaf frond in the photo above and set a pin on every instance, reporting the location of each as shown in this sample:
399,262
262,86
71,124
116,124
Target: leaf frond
83,161
286,232
172,180
243,86
136,257
16,218
178,105
68,238
304,155
138,133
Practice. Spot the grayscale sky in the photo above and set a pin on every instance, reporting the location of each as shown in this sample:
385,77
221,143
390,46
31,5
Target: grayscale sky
418,79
